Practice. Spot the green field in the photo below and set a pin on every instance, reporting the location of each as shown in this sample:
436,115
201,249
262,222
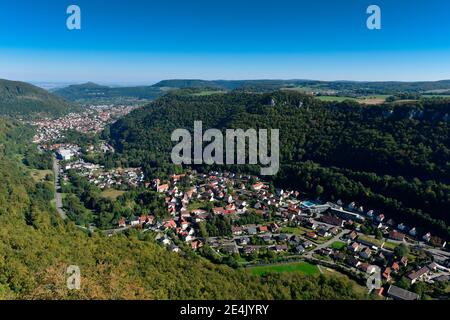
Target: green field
112,193
295,230
207,93
302,267
338,245
375,99
375,242
39,175
334,98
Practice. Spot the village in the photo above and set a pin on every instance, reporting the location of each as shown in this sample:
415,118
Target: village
242,219
92,120
291,227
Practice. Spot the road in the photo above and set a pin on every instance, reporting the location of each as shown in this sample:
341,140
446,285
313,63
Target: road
58,195
325,244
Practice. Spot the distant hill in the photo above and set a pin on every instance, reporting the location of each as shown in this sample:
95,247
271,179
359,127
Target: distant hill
340,87
95,93
25,100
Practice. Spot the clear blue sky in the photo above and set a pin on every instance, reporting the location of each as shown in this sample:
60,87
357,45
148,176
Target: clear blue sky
145,41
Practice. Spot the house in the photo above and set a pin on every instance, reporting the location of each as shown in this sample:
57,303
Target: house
397,293
250,249
387,274
354,247
312,225
237,231
404,261
299,249
401,227
218,211
263,229
339,256
283,237
380,218
326,251
395,267
335,221
295,240
281,248
162,188
323,232
311,235
171,224
419,274
196,244
244,241
352,262
351,236
258,186
413,232
122,223
390,223
307,244
165,241
334,231
438,242
364,267
365,253
427,237
398,236
230,248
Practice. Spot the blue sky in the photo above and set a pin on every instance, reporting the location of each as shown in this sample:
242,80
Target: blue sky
137,41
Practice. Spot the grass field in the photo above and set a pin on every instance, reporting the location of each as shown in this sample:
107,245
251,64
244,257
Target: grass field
375,242
369,100
334,98
302,267
39,175
295,230
207,93
112,193
338,245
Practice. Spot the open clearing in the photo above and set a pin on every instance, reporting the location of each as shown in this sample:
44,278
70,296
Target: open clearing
302,267
369,100
39,175
112,193
338,245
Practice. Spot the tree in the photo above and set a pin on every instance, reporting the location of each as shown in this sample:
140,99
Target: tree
401,250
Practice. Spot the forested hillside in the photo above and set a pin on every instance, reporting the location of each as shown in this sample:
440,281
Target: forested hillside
94,93
25,100
394,158
36,247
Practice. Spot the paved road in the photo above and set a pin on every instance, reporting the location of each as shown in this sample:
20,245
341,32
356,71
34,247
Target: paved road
326,244
58,195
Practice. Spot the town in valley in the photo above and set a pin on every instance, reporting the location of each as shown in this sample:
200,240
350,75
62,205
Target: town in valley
245,222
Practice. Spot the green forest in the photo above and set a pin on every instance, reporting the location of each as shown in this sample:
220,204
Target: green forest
20,99
392,158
